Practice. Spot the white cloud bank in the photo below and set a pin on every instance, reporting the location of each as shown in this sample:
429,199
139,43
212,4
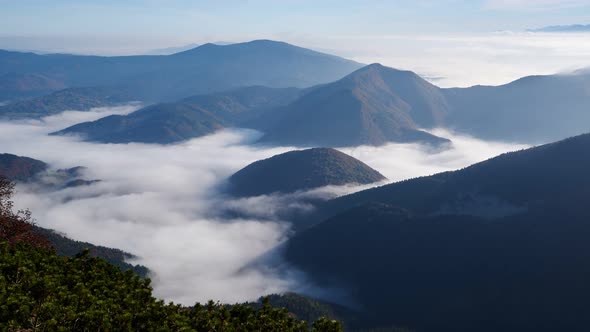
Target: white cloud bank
465,59
157,201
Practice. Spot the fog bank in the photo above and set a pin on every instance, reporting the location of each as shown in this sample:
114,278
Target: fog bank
159,202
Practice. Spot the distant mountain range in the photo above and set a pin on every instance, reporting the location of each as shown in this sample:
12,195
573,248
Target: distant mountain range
15,86
498,246
204,69
301,170
79,99
372,106
533,109
188,118
563,28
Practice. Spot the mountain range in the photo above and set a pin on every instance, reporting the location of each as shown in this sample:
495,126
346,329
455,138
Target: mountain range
205,69
563,28
191,117
371,106
15,86
79,99
301,170
497,246
533,109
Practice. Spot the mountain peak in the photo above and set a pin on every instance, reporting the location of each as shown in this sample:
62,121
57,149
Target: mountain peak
301,170
264,43
373,105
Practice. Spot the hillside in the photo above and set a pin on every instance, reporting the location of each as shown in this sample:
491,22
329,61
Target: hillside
534,109
67,247
301,170
204,69
20,168
191,117
44,291
372,106
498,246
79,99
15,86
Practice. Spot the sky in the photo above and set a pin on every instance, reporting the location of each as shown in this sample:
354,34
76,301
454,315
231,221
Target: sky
450,42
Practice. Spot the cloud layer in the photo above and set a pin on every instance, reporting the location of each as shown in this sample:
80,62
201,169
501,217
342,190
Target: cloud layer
159,202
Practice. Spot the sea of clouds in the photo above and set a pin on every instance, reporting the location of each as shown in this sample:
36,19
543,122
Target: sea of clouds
160,202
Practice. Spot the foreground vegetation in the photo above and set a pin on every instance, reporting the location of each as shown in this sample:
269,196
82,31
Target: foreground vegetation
42,291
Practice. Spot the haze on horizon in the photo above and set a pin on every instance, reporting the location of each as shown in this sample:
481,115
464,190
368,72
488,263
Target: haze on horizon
449,42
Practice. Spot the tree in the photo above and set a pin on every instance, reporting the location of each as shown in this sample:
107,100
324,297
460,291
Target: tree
16,227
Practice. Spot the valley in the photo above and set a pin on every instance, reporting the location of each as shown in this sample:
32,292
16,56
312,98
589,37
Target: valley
355,196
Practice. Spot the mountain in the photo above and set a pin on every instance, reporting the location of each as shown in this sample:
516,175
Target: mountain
172,49
205,69
563,28
301,170
80,99
372,106
192,117
17,86
534,109
498,246
20,168
67,247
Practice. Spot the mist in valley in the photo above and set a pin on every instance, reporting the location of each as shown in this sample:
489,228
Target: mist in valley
159,202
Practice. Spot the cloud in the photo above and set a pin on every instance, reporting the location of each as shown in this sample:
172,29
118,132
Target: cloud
159,202
466,59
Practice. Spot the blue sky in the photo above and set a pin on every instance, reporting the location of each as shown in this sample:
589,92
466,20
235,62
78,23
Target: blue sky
242,19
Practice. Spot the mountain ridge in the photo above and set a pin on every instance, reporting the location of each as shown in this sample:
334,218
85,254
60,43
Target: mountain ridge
481,242
197,71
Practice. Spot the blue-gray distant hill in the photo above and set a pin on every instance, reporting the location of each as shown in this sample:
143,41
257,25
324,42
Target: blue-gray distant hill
15,86
563,28
191,117
533,109
79,99
372,106
301,170
498,246
204,69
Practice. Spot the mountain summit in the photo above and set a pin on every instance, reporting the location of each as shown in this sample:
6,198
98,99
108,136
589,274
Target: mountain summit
373,105
301,170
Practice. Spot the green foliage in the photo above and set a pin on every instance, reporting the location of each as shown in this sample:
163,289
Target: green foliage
303,307
68,247
41,291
